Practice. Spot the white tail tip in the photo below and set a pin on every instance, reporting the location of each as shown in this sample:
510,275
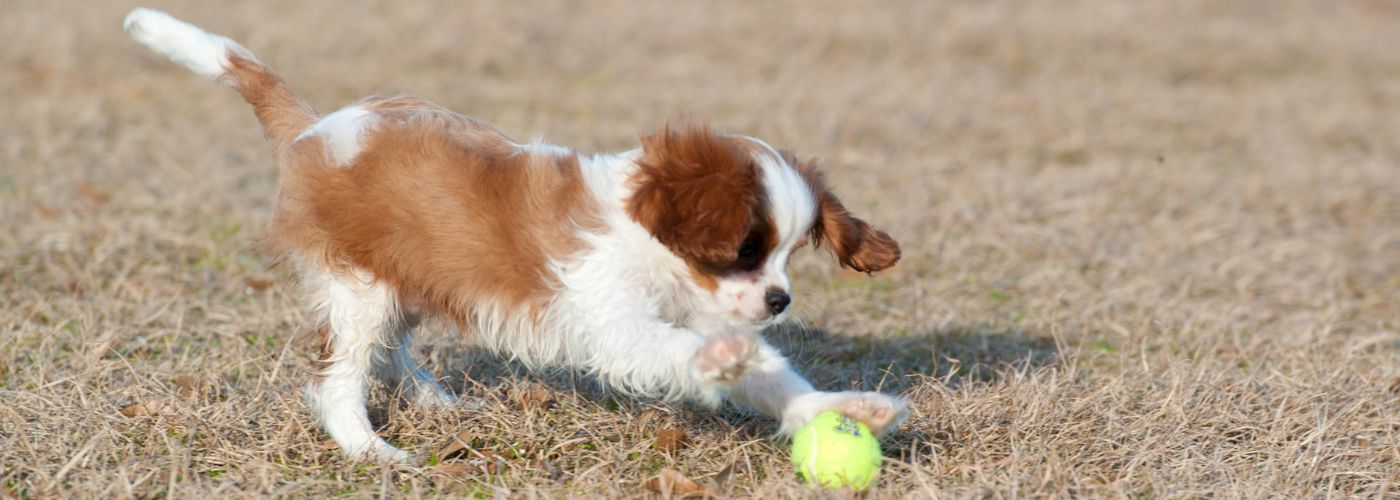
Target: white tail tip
200,51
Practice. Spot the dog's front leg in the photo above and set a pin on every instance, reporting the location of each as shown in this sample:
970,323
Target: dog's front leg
645,356
772,387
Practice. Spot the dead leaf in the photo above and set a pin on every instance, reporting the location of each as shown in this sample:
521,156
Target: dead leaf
721,478
186,384
143,409
531,398
670,483
44,212
671,439
259,282
459,444
479,461
97,197
197,388
454,469
329,444
491,462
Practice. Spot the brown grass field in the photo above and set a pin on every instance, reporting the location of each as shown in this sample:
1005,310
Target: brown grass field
1152,248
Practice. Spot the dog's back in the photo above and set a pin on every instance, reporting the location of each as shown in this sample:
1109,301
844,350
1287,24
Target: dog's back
435,204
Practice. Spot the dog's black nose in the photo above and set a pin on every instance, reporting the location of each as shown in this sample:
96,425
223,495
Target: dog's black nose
777,300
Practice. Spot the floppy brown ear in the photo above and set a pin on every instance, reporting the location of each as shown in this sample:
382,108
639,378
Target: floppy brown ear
695,192
856,244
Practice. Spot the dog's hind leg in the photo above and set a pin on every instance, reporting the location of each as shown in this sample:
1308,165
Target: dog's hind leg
359,314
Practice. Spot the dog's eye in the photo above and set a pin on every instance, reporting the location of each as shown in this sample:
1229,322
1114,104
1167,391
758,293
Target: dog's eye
748,251
751,252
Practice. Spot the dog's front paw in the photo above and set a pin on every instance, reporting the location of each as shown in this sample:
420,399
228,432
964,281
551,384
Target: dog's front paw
877,411
725,357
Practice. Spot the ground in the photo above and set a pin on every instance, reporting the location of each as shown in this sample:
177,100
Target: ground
1151,249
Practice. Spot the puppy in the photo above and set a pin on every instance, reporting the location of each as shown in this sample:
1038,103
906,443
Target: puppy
651,269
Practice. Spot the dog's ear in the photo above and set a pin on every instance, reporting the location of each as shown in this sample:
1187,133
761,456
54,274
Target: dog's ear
696,192
856,244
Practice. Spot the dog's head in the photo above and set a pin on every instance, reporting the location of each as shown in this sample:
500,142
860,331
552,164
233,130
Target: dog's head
734,208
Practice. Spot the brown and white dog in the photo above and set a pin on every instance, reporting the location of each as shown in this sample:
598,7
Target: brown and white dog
652,269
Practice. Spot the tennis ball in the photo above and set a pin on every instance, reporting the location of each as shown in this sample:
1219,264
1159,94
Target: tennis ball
836,452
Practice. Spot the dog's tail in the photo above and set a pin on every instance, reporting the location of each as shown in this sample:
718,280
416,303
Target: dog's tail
283,114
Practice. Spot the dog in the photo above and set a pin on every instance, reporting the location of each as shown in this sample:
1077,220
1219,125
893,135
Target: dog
654,270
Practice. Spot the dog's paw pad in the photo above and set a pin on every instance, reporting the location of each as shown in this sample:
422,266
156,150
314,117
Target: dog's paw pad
725,357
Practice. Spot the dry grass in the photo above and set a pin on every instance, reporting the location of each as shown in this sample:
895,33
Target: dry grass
1152,248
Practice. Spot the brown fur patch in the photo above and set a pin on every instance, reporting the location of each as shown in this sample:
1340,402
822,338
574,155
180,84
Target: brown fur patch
704,280
856,244
319,341
282,114
701,194
448,211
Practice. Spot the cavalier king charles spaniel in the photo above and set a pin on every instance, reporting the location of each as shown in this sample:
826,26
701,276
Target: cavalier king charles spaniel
653,269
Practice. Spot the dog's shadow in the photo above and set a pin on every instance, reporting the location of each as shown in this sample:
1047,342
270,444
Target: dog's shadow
891,363
894,363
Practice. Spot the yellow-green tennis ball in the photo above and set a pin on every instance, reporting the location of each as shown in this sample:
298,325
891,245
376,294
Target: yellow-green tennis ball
836,452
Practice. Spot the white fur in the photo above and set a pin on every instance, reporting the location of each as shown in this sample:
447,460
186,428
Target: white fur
537,145
359,314
342,133
204,53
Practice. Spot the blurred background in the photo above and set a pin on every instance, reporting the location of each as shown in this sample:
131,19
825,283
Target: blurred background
1150,248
